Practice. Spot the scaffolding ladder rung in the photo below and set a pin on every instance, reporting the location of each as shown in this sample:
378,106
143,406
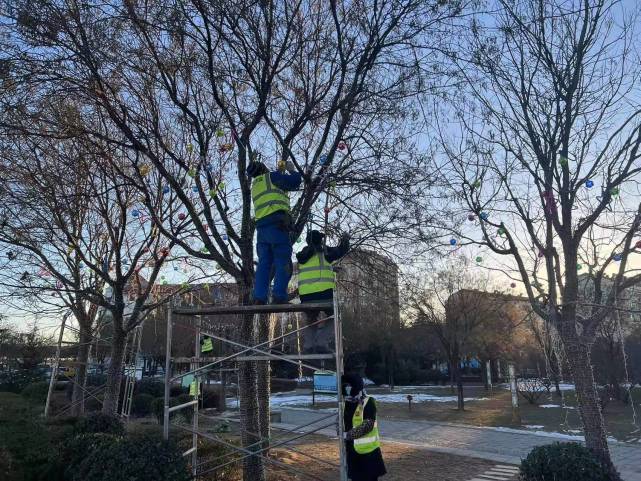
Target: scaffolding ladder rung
265,357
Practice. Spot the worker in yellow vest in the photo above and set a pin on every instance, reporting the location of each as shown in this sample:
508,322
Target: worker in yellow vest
362,439
270,197
316,283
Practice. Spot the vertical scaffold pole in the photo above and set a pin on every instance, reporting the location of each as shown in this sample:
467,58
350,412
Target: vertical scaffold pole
338,335
54,369
194,436
165,426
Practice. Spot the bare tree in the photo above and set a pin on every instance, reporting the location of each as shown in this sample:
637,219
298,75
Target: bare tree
76,222
199,88
547,156
456,306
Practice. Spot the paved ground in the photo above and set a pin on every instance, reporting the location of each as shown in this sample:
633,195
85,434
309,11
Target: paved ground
485,443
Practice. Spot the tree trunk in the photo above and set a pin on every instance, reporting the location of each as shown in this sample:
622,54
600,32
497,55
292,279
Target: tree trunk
588,400
253,467
456,376
82,357
263,385
114,373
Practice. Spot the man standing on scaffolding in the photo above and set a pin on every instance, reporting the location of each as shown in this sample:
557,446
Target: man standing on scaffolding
273,226
316,283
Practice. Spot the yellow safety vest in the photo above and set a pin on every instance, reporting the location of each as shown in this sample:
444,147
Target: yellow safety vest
316,275
194,388
267,197
372,440
207,345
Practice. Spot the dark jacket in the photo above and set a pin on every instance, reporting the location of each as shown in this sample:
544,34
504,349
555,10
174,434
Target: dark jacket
362,467
287,182
332,254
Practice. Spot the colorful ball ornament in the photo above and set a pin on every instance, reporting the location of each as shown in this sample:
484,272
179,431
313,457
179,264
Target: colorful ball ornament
579,267
181,216
166,190
135,213
477,183
479,259
638,245
225,237
618,257
484,216
220,133
212,193
323,159
342,146
191,173
513,285
452,242
471,217
327,210
501,231
144,169
614,191
589,184
194,188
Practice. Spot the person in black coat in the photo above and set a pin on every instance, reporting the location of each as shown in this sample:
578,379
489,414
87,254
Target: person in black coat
319,339
360,467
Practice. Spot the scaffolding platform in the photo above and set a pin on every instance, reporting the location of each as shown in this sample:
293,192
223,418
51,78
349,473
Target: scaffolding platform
255,309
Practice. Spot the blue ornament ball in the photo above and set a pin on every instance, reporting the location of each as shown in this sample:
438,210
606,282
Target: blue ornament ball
618,257
323,159
484,215
194,188
135,213
166,190
589,184
225,237
452,242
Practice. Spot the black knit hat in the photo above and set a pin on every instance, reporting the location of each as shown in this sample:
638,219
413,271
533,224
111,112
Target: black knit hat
314,238
254,169
354,381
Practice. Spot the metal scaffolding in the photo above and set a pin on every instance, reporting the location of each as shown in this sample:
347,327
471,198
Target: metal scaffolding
131,350
262,351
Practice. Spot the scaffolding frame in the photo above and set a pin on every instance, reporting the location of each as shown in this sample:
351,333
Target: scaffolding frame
261,351
131,351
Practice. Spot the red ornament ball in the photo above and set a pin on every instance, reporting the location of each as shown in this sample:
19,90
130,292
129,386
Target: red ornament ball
513,285
638,245
181,216
327,209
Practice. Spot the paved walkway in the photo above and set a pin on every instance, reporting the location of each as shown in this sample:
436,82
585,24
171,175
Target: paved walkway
485,443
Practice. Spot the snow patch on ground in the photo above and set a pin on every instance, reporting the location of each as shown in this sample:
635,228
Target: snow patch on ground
534,426
402,398
306,399
548,406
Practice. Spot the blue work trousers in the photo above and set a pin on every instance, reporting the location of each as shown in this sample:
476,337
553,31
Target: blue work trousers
274,250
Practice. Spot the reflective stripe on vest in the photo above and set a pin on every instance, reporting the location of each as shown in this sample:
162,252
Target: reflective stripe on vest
267,197
372,440
316,275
